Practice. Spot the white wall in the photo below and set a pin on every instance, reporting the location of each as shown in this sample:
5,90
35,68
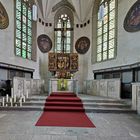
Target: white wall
83,58
7,54
42,57
127,43
127,50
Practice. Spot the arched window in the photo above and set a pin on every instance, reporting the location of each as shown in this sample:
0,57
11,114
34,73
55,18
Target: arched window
106,30
23,34
63,31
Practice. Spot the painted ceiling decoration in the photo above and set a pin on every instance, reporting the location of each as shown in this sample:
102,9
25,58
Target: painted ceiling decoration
4,19
82,45
132,20
82,8
44,43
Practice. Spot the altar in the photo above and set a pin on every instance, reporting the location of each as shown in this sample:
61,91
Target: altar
63,85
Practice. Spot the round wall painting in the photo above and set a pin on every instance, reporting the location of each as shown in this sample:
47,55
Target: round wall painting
132,19
82,45
4,20
44,43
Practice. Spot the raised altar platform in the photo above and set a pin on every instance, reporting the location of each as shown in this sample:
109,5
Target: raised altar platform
60,85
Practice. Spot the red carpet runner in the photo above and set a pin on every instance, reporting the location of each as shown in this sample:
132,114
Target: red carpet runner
64,109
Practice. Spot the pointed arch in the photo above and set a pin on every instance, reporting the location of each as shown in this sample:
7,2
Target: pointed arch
64,22
104,30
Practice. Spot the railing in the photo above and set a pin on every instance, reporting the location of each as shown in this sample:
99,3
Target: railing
104,87
22,85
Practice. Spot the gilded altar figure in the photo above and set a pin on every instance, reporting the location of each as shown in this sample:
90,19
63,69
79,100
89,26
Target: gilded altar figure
60,63
63,62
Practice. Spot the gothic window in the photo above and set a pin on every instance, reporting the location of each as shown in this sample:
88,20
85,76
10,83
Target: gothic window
106,32
23,33
63,33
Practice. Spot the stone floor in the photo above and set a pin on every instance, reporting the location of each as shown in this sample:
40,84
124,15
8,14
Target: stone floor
20,125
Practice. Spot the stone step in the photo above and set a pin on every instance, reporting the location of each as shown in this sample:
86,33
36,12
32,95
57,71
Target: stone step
41,103
22,108
84,100
109,110
36,98
108,105
91,104
103,101
87,109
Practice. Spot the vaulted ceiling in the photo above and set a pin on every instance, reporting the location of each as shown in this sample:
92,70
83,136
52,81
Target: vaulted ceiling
82,7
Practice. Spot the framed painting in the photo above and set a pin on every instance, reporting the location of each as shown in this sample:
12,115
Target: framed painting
44,43
82,45
132,19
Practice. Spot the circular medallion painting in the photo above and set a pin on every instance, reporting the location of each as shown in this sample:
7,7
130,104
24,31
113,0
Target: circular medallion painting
4,20
44,43
132,20
82,45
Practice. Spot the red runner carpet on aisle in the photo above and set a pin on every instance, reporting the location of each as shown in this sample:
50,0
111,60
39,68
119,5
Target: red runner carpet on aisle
64,109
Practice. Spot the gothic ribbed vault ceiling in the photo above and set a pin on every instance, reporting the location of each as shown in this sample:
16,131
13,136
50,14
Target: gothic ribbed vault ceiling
82,7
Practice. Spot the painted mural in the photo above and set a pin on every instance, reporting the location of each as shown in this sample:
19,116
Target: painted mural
4,19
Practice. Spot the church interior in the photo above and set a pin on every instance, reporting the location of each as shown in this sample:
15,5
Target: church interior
69,69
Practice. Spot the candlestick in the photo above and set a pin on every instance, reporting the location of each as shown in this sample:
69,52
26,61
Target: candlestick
20,102
11,102
27,94
12,93
23,98
7,97
3,101
14,98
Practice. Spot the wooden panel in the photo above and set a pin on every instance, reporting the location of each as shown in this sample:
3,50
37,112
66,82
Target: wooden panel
63,62
74,62
52,62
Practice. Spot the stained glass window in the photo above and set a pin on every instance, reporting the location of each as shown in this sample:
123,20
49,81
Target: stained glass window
23,29
63,34
106,30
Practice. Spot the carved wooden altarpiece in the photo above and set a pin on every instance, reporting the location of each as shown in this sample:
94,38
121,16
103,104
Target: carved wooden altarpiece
63,64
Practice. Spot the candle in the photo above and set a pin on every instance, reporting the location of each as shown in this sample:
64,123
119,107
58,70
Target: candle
3,101
6,97
20,102
14,98
12,93
27,94
23,98
11,102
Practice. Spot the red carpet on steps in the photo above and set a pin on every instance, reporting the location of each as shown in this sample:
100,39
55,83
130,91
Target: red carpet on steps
64,109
